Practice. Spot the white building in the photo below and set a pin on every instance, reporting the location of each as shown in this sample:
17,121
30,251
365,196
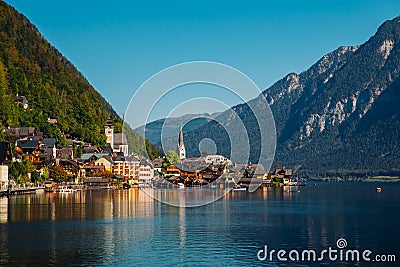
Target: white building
120,143
3,177
128,167
4,154
117,141
146,172
217,159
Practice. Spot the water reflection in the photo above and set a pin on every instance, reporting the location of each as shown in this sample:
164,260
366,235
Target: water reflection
3,209
128,227
81,205
187,197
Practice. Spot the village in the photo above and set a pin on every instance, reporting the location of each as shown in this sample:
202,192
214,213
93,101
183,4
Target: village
82,165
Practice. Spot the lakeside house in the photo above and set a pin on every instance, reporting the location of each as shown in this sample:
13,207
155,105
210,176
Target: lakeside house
284,175
213,168
114,160
45,153
127,167
5,157
146,172
158,164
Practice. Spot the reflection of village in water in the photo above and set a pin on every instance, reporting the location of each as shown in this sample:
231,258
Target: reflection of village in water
110,204
79,205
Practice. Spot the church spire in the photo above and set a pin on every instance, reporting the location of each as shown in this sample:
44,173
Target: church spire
181,145
181,136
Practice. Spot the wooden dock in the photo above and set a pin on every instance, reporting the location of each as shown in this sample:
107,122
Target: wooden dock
20,191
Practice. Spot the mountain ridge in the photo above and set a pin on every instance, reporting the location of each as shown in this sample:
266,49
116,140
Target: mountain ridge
340,117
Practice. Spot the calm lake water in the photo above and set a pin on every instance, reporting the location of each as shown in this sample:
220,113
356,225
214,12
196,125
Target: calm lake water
129,228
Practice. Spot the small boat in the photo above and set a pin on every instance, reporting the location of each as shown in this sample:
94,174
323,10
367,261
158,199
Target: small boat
181,185
65,189
379,189
239,188
49,186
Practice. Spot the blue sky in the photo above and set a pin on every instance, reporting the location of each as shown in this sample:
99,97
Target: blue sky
117,44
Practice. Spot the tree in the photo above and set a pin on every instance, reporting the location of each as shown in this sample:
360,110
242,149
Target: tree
35,177
28,165
171,157
45,175
17,172
153,151
57,174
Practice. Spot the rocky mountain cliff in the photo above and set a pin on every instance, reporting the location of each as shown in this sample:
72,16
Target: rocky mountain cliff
340,117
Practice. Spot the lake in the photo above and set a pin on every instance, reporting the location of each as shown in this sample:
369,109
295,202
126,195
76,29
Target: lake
129,228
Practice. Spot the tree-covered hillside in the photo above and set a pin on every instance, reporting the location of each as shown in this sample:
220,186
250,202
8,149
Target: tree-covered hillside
53,87
31,67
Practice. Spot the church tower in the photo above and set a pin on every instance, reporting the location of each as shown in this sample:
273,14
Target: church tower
109,129
181,145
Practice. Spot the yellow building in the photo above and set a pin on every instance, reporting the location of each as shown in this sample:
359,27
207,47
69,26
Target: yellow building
128,167
105,161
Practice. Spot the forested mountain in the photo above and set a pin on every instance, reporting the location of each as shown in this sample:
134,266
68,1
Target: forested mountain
339,117
53,87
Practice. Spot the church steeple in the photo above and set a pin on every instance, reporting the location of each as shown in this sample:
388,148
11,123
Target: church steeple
181,145
109,130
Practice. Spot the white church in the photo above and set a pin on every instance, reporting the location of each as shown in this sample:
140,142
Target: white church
117,141
181,146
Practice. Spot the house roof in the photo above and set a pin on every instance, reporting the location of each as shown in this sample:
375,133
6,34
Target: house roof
109,123
26,131
284,171
87,156
3,151
27,143
64,152
237,167
191,166
108,158
22,131
22,98
48,142
120,139
89,150
127,158
107,149
146,163
157,162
